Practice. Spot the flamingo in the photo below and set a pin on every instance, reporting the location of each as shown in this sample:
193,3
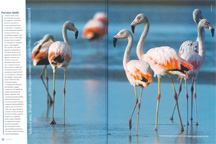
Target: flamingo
138,72
194,53
96,28
40,57
59,56
187,47
162,60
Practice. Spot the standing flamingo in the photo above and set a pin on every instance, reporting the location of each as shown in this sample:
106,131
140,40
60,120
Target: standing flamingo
187,47
194,56
96,28
162,60
60,56
138,72
40,57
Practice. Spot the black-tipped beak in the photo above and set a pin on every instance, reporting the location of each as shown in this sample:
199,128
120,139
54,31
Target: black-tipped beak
114,41
212,32
76,34
132,28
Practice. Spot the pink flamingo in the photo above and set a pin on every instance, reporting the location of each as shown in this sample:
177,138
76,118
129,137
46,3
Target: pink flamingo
138,72
187,47
162,60
60,56
194,53
96,28
40,57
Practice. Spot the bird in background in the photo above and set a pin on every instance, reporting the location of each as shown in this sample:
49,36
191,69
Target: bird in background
96,28
40,57
162,60
194,53
138,72
59,56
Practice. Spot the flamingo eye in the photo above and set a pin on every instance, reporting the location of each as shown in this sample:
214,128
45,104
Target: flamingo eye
138,18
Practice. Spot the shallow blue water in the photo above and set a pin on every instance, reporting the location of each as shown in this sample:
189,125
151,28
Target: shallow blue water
91,95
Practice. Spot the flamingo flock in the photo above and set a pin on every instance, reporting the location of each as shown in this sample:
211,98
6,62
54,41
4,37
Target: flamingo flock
165,61
162,60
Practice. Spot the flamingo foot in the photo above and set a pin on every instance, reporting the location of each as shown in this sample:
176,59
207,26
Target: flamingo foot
182,129
130,125
52,121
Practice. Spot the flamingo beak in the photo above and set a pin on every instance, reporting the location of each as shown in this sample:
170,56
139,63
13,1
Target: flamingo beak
76,34
133,28
212,31
114,41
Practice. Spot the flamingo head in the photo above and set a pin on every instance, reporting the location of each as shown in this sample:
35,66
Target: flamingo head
197,15
46,38
140,18
70,26
206,24
122,34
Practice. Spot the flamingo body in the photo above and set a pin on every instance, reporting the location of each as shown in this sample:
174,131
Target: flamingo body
60,54
40,56
138,73
96,27
165,60
94,30
195,60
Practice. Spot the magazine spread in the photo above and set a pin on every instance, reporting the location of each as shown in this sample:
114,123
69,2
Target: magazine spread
109,71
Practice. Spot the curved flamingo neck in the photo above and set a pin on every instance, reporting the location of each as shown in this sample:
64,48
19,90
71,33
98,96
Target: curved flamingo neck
127,51
64,33
141,41
201,39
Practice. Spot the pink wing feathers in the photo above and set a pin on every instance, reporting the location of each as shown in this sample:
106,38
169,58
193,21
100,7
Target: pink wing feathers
42,53
138,72
166,58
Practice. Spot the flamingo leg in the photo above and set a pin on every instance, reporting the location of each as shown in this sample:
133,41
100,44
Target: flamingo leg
192,99
49,98
130,120
180,87
64,94
52,120
139,110
187,99
195,101
176,98
158,101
